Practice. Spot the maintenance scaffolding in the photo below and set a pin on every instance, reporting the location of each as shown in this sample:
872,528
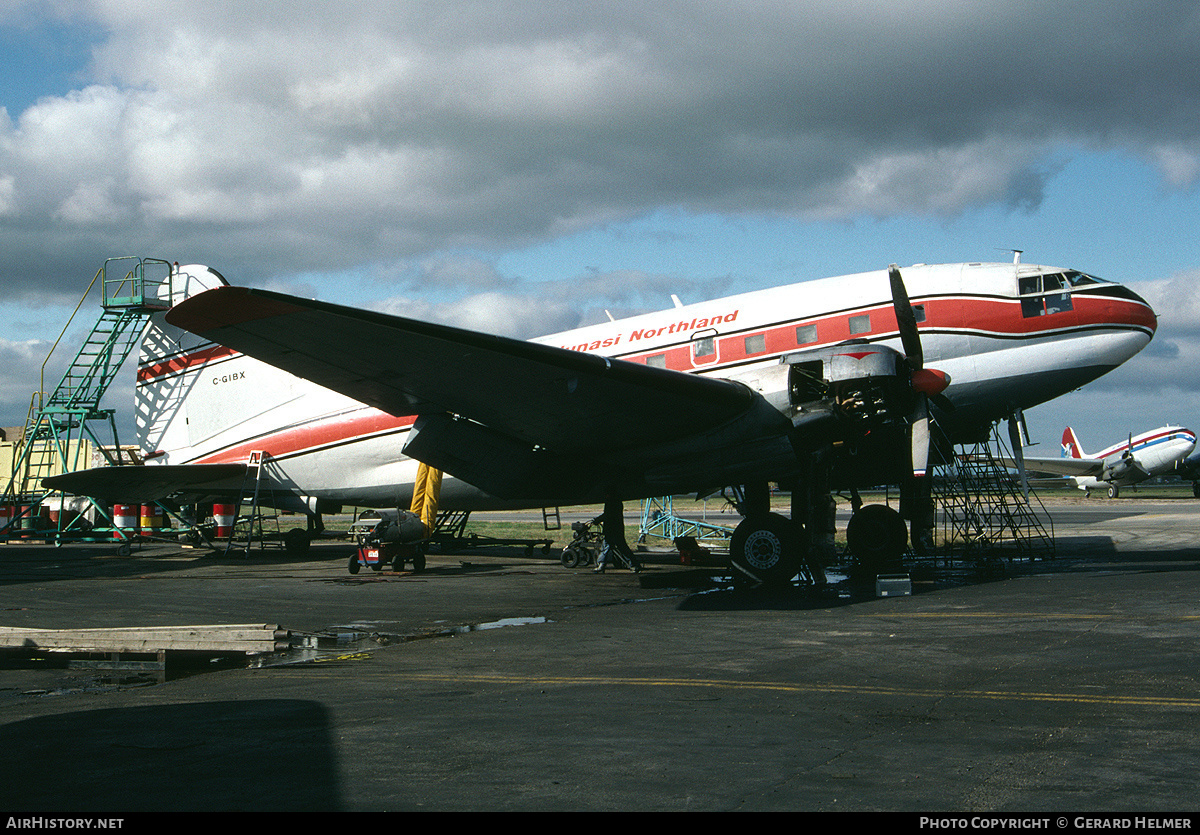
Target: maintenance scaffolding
986,511
61,425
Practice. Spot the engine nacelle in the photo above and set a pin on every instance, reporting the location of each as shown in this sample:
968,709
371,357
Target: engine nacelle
862,386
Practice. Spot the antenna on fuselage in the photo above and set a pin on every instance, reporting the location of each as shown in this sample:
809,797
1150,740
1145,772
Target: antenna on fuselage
1017,256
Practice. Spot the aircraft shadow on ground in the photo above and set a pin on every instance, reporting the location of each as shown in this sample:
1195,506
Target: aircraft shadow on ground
43,563
255,755
1073,554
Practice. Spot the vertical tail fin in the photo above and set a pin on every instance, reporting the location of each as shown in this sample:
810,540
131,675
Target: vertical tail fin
1070,445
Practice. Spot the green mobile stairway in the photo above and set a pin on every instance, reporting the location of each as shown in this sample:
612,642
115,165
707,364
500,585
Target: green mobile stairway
59,422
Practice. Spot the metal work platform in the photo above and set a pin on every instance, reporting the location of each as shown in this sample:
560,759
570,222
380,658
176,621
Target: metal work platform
660,519
61,424
986,513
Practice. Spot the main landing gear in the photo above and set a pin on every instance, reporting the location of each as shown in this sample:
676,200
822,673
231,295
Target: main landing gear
877,537
768,549
765,549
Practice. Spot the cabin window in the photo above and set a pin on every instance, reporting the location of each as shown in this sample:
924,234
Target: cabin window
705,346
806,334
657,361
756,344
918,312
860,324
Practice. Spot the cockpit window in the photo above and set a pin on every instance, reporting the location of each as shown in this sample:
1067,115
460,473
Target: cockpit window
1043,295
1078,279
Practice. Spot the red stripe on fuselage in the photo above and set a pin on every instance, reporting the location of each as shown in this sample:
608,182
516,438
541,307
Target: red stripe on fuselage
149,372
300,440
1139,443
995,317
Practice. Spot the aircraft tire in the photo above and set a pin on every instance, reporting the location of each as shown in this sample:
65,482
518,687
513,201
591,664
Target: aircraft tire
296,542
1114,491
877,537
764,549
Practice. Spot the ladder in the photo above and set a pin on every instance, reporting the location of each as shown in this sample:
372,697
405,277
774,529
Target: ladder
59,427
255,525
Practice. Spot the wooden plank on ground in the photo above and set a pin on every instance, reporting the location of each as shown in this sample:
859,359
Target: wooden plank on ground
249,638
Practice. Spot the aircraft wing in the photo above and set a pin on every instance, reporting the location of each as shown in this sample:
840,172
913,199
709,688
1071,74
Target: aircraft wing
135,484
546,397
1061,466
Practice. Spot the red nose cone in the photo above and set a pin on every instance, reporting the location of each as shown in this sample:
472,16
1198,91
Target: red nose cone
930,381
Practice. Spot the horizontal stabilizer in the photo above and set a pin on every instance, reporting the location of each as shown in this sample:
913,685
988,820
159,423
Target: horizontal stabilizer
148,483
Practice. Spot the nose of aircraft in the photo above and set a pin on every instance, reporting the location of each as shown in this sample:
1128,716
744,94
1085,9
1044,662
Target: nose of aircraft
1139,314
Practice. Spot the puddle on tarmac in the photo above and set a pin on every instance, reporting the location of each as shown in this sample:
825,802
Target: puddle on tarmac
356,639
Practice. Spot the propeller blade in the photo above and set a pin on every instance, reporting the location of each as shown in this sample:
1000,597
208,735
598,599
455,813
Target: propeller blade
905,320
919,436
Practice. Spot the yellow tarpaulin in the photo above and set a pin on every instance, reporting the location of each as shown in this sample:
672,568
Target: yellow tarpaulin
426,492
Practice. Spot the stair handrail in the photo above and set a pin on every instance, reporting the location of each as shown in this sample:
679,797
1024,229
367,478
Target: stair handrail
41,392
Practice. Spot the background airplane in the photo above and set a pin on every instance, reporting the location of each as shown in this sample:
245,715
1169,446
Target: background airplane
813,385
1159,452
1189,470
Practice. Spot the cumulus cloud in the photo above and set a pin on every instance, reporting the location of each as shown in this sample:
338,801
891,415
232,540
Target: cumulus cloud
1166,367
484,299
318,137
22,361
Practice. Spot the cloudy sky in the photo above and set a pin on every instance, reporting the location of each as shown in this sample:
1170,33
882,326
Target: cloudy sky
522,166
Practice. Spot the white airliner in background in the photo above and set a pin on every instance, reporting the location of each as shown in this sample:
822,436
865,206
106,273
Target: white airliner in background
809,385
1161,451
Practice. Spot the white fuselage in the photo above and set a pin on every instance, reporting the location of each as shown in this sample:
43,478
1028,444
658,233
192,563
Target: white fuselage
1010,337
1154,453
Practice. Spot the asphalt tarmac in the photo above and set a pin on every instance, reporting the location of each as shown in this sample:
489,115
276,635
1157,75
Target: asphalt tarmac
494,681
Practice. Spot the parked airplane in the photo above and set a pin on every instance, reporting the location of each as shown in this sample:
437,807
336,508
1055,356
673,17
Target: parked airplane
1189,470
811,385
1158,452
